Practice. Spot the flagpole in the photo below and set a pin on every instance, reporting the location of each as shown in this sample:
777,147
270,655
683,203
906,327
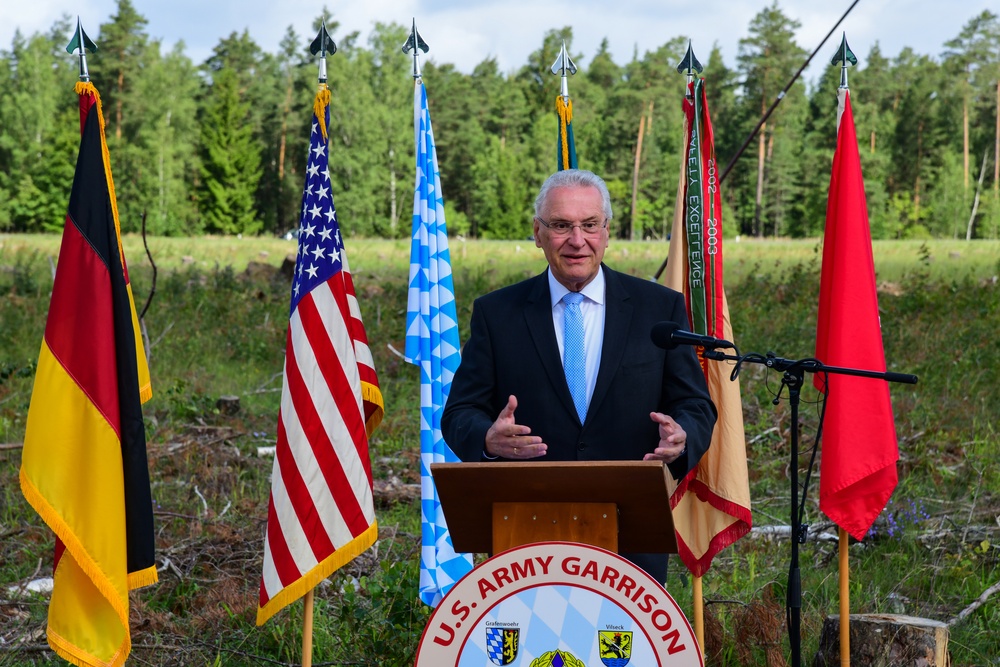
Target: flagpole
688,65
82,43
845,603
322,46
432,340
416,44
844,56
699,613
307,630
564,67
767,114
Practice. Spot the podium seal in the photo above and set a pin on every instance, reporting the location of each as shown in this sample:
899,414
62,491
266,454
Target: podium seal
558,604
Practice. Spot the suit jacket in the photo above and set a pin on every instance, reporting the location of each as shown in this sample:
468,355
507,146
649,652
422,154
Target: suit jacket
512,349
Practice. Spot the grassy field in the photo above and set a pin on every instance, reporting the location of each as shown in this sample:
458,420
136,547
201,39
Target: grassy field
216,327
945,259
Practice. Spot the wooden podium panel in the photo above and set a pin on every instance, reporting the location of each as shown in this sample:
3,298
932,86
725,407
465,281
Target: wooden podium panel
517,524
638,489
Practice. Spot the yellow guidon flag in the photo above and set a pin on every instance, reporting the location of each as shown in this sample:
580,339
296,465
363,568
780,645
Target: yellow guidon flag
84,464
711,506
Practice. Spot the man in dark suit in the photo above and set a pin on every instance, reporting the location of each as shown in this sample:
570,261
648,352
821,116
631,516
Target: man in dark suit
625,399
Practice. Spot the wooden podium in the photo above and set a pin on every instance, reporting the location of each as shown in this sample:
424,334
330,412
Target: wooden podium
616,505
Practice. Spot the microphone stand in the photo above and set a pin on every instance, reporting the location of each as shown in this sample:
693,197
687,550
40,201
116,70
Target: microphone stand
793,376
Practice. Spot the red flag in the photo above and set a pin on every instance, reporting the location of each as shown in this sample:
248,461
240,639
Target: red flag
321,513
859,454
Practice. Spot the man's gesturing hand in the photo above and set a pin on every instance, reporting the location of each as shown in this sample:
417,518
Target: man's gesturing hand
510,440
673,439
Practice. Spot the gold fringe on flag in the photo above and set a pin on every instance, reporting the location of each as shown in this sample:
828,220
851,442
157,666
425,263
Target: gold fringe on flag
321,571
145,385
371,393
87,88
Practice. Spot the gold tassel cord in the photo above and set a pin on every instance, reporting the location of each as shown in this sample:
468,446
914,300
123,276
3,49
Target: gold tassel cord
564,108
320,104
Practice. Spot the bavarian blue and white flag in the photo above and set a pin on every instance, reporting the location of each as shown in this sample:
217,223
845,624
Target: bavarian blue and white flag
432,344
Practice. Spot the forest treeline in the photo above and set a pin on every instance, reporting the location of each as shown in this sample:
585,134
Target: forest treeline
220,146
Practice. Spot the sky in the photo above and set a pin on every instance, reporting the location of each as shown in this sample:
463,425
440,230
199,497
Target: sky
465,32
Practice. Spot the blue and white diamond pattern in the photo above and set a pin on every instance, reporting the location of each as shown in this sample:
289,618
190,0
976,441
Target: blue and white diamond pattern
556,617
432,343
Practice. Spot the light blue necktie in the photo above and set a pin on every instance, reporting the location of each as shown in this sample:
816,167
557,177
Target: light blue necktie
574,355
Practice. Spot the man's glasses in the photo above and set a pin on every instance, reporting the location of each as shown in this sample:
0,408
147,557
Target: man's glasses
562,228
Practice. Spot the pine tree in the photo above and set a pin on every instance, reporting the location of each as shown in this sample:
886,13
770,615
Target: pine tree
768,58
39,131
230,160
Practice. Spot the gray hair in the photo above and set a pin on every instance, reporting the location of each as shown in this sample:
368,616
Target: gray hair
574,178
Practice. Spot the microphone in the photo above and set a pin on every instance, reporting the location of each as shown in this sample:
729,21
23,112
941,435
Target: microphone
669,335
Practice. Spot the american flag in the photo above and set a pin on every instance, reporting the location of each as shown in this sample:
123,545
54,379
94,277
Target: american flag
432,343
321,513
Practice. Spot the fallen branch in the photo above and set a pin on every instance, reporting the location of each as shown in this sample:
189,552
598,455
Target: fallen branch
11,445
709,601
203,501
979,602
208,427
912,438
763,434
175,515
264,387
152,289
969,535
786,531
169,564
25,648
18,591
166,329
223,438
393,490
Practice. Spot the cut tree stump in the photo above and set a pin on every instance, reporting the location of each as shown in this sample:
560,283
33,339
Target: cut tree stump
886,640
288,266
228,405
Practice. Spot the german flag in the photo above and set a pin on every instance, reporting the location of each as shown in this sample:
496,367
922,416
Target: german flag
84,464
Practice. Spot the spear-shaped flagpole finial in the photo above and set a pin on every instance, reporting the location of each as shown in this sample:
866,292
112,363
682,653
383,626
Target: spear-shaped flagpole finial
564,67
689,64
844,56
416,44
82,43
322,46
